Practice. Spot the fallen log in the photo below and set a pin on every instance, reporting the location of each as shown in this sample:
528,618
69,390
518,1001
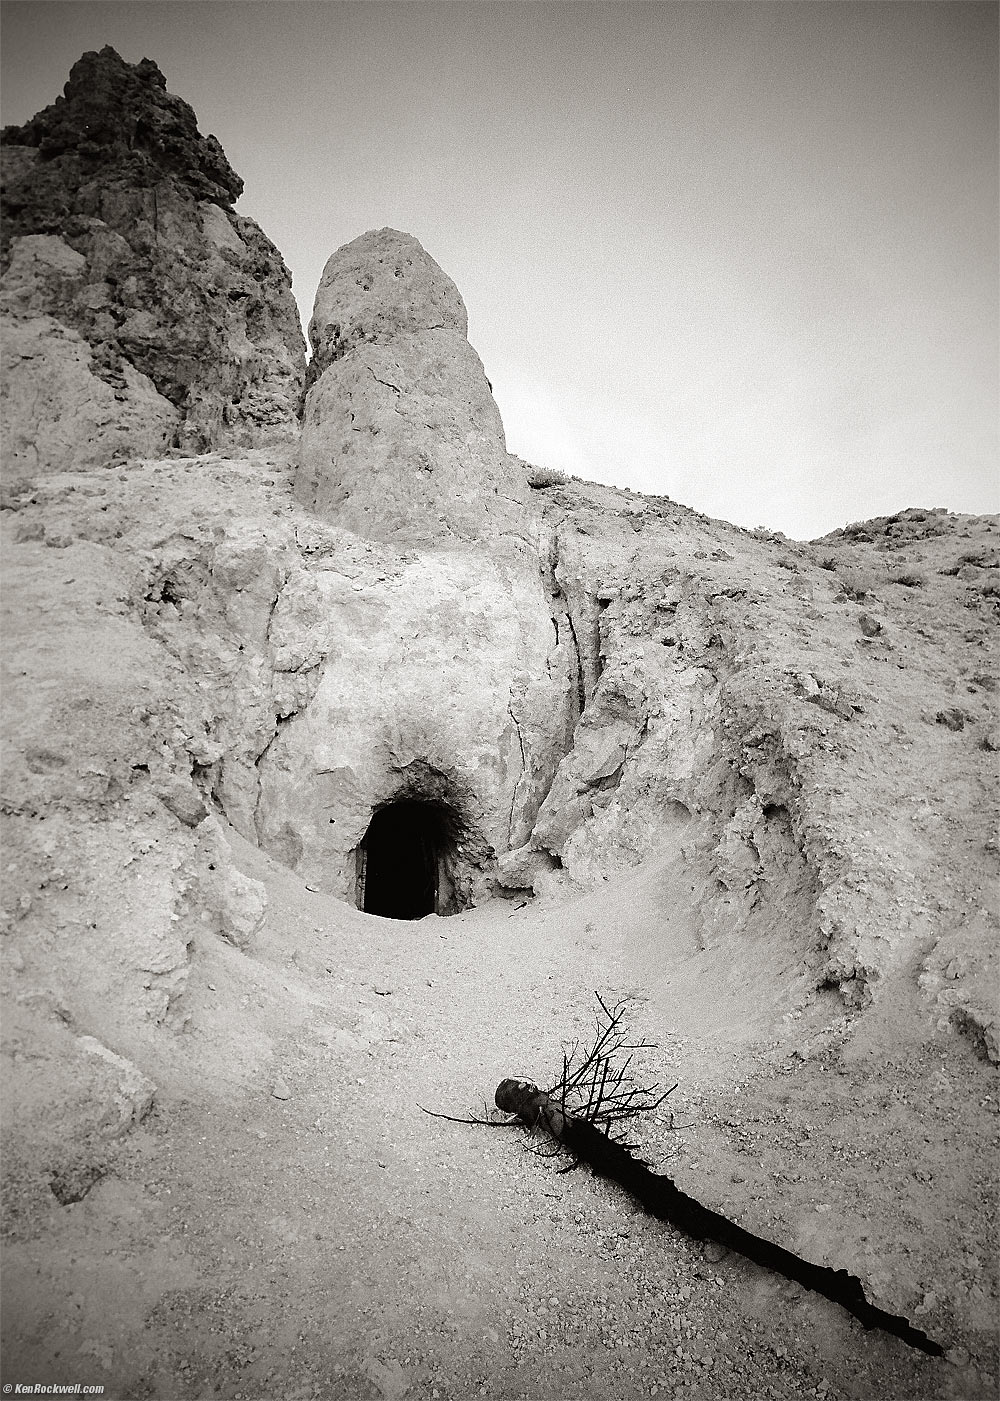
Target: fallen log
587,1114
662,1198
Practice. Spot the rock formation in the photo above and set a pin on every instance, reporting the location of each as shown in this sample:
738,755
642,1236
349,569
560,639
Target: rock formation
434,672
434,678
402,440
386,644
740,687
144,311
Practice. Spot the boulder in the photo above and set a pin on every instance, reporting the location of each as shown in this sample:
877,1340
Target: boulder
68,1103
131,1093
243,907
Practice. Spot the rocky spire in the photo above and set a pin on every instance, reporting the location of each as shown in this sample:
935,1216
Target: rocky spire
119,224
115,121
402,439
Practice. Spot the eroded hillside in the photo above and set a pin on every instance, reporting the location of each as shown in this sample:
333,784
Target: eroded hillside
600,739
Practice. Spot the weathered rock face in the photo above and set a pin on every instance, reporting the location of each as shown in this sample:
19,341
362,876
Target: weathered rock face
188,645
58,412
379,286
402,439
170,316
430,675
437,679
789,724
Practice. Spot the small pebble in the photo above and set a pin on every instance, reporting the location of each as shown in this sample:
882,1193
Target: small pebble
280,1090
957,1356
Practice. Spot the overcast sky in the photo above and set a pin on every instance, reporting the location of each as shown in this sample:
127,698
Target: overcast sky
744,255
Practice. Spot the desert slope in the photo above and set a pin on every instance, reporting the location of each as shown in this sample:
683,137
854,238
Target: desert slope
745,782
848,1073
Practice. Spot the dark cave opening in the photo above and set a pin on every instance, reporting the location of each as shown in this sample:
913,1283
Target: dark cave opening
404,860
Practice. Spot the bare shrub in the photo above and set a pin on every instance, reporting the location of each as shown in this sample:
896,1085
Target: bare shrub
541,477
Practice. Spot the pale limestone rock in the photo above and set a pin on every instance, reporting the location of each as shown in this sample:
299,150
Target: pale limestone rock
443,678
67,1100
960,974
218,230
36,261
525,868
226,901
243,908
182,799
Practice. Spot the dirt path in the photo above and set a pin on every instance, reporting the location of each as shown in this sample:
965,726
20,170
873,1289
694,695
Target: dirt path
288,1224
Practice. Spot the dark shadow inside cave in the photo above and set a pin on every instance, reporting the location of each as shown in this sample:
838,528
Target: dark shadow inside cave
404,860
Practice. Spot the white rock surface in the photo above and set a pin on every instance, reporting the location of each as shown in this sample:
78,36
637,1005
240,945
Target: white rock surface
244,905
442,677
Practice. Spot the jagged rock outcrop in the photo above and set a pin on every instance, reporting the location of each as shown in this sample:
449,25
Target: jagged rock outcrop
402,440
140,310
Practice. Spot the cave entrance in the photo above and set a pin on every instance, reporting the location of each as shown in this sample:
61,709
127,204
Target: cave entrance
404,860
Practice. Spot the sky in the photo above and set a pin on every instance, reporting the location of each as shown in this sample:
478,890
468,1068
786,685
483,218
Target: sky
744,255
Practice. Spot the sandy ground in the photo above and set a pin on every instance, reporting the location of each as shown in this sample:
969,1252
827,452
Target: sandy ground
288,1224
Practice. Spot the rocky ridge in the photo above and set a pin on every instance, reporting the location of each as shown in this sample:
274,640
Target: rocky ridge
141,311
770,763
